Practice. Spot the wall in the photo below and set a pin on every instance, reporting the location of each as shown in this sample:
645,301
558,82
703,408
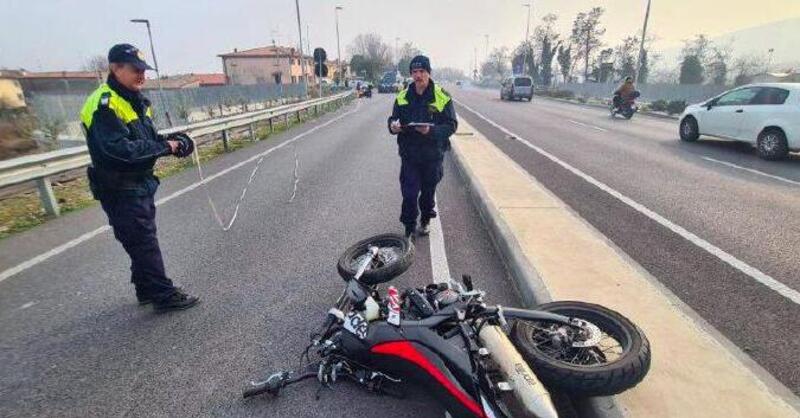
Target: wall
650,92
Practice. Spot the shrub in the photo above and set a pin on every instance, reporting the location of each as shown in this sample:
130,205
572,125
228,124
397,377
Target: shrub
676,106
659,106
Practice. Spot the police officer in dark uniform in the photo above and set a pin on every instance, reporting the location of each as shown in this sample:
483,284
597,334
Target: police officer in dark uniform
124,145
423,119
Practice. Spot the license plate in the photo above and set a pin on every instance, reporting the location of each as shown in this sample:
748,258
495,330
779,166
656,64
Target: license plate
356,324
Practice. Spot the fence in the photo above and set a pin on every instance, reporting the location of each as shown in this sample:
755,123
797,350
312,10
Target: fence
650,92
58,113
40,167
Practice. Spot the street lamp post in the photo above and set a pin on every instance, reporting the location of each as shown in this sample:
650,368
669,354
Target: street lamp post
527,36
158,75
339,72
302,55
641,45
769,59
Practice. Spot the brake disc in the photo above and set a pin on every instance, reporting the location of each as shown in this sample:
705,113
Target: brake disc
594,334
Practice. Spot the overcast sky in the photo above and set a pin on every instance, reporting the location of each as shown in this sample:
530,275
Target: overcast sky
62,34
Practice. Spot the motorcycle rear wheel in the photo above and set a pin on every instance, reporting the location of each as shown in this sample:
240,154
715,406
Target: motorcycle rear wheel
615,363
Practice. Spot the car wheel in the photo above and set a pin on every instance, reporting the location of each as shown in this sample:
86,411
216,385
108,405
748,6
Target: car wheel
772,144
688,129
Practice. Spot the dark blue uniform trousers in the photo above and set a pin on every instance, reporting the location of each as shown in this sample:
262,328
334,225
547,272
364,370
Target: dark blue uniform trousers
418,180
134,222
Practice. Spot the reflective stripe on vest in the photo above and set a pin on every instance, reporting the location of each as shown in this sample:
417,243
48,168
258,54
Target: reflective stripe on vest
440,98
121,107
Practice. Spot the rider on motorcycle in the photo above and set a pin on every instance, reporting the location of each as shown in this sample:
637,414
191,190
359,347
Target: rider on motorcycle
624,92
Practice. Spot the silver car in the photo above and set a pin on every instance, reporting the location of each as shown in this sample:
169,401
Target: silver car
517,87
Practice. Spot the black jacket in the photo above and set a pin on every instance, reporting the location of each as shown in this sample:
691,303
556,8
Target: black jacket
413,146
123,142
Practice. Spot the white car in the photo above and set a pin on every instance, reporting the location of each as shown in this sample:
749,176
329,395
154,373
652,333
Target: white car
766,115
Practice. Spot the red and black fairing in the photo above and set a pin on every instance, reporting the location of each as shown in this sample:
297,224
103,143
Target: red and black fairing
416,352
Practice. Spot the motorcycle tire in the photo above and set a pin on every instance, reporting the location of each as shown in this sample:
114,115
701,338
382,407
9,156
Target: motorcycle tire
398,249
602,379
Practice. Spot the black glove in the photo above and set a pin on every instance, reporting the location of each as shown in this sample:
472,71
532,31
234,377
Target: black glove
185,144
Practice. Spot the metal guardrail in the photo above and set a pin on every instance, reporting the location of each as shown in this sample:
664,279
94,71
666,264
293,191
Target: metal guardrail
40,167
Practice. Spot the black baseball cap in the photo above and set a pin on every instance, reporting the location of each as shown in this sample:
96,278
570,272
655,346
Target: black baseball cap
127,53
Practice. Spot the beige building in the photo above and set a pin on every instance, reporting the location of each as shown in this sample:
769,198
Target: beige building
266,65
11,95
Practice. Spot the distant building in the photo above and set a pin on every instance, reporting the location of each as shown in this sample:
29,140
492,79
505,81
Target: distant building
266,65
184,81
60,82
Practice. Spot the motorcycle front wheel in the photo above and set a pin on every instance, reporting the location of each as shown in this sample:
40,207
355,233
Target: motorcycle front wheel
601,361
395,256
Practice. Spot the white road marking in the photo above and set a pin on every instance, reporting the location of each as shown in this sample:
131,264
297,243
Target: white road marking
575,122
440,270
5,274
734,262
27,305
750,170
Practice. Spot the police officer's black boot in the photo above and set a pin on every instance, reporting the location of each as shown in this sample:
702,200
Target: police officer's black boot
410,228
175,302
424,229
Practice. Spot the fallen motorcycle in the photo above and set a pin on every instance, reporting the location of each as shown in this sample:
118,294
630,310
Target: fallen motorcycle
478,360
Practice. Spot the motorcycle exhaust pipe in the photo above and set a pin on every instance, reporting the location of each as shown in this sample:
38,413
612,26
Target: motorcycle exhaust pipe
531,395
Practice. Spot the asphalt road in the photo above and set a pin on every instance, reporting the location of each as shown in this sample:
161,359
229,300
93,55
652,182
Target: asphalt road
74,343
718,190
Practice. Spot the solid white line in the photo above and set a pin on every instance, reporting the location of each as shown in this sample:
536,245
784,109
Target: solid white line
750,170
440,270
585,125
53,252
734,262
89,235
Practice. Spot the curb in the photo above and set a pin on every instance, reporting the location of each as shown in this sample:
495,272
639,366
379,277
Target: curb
599,106
528,282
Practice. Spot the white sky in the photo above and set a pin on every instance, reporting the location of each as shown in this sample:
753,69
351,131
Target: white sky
61,34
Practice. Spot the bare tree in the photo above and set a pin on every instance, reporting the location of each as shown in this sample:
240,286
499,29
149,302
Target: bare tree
406,53
745,67
586,34
496,65
97,64
625,57
375,54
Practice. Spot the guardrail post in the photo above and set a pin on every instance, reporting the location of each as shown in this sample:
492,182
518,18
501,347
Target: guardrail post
286,117
298,117
252,132
47,197
225,140
271,127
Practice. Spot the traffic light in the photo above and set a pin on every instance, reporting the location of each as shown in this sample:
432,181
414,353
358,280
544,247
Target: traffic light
320,69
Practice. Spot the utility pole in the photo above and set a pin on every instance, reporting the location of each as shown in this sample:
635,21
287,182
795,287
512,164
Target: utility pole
339,69
158,75
302,55
641,45
527,35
